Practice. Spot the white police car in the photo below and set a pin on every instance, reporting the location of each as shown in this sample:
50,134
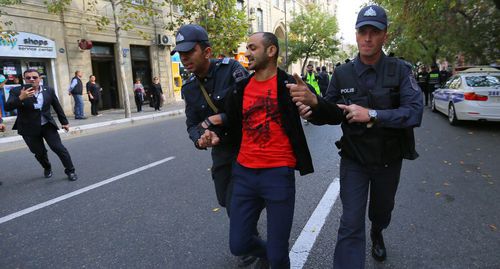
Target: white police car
471,94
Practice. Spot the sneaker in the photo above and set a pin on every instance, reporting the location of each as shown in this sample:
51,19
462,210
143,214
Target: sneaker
262,263
244,261
47,173
72,176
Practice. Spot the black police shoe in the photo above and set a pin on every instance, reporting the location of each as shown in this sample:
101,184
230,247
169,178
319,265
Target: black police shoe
72,176
262,263
379,252
244,261
47,173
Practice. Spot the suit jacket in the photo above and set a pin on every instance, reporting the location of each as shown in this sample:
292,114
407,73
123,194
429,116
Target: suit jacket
28,120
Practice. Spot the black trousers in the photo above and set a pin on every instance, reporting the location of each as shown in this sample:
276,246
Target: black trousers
37,147
94,103
138,101
357,183
156,101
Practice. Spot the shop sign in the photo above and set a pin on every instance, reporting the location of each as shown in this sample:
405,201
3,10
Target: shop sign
27,45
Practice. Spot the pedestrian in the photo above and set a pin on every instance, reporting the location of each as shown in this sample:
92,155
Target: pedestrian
324,79
272,144
35,123
76,90
138,94
422,78
2,126
433,81
156,94
312,78
204,94
2,129
93,91
382,104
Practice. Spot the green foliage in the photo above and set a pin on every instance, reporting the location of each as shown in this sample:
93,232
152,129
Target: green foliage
129,13
430,29
226,25
4,3
312,34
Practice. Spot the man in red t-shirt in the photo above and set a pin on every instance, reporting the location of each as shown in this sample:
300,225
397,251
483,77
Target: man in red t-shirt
261,114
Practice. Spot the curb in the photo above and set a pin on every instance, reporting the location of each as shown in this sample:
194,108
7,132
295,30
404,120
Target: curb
81,128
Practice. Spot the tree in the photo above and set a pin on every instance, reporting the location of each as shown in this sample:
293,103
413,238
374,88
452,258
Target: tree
127,14
312,34
225,24
4,3
430,29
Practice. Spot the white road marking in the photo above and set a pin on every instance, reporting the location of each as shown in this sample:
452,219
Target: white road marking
80,191
302,247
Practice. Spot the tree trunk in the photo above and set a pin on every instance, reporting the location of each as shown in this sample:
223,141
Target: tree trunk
122,83
304,64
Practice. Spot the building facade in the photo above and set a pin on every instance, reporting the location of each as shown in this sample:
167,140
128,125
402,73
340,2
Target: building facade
57,45
274,15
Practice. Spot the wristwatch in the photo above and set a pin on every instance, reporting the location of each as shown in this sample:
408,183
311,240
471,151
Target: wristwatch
373,118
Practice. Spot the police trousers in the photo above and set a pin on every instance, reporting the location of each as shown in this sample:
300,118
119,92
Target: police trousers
356,182
252,189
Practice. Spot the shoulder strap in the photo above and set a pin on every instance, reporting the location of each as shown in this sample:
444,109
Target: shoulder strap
207,98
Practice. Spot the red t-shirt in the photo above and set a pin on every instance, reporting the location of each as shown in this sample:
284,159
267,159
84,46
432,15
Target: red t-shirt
264,143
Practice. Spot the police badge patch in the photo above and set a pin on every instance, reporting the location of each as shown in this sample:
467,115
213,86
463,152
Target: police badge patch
238,75
414,84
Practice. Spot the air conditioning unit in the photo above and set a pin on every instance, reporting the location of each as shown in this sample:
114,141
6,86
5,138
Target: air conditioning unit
166,40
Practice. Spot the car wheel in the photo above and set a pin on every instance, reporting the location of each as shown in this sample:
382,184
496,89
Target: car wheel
452,115
433,105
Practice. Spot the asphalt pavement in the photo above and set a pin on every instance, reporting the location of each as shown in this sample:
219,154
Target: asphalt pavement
144,199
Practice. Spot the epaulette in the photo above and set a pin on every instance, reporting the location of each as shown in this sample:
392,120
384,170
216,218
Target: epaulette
189,80
226,60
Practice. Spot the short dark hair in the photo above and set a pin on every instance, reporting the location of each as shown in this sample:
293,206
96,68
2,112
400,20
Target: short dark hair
204,44
270,39
31,71
323,68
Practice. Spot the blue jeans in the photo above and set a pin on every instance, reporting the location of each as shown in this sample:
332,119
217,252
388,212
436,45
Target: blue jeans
252,189
78,111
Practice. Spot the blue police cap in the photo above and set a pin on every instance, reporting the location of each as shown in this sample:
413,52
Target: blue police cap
372,15
187,37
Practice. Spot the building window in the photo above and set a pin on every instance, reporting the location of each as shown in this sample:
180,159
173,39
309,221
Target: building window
138,2
260,20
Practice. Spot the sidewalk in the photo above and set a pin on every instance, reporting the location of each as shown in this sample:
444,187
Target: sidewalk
113,117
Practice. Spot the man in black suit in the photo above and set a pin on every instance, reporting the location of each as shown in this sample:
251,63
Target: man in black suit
35,123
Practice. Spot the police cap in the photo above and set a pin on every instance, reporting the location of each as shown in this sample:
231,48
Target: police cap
372,15
187,37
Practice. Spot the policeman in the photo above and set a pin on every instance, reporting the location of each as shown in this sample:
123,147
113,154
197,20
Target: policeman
422,78
204,94
433,80
382,103
312,78
444,75
324,79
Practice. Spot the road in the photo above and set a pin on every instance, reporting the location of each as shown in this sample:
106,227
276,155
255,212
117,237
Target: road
166,215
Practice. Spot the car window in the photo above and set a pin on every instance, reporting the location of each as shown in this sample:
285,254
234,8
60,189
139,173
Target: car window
455,83
483,80
447,85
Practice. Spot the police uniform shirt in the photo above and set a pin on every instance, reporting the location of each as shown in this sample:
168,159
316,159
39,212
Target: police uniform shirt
222,74
407,114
